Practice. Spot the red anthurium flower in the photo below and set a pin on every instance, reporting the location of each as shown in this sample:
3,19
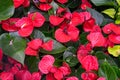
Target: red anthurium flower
50,76
115,29
85,4
60,10
88,25
76,19
48,45
89,76
72,78
107,28
45,6
36,76
62,1
55,20
23,75
9,25
26,3
45,1
58,74
66,34
101,78
46,64
89,63
114,38
6,76
68,67
67,15
17,3
96,39
37,19
1,54
86,15
35,44
30,51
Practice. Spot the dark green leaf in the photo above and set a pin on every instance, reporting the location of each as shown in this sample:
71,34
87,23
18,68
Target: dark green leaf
38,34
117,70
103,2
13,46
57,47
6,9
96,15
73,3
107,71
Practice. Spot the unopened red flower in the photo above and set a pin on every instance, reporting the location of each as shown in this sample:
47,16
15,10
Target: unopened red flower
26,3
55,20
96,38
23,75
67,33
72,78
48,45
1,54
89,63
114,38
62,1
37,19
18,3
6,76
9,24
45,6
89,76
46,63
36,76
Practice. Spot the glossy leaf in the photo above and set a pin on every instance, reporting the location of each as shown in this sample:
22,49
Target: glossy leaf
118,1
6,9
38,34
13,46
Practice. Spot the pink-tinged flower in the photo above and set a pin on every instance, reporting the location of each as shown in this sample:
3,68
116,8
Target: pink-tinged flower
31,52
67,15
50,76
96,39
26,3
25,25
1,54
14,69
46,1
55,20
88,25
58,74
86,15
48,45
114,38
68,71
89,63
107,28
35,44
46,64
72,78
62,1
89,76
115,29
36,76
9,25
101,78
45,6
85,4
23,75
37,19
60,10
6,76
18,3
67,33
76,19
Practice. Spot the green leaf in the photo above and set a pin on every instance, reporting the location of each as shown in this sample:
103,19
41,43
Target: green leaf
13,46
73,3
103,2
118,1
117,70
57,47
38,34
99,18
6,9
110,12
107,71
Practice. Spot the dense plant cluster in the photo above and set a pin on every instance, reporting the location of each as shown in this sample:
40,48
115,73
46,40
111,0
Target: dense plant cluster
59,39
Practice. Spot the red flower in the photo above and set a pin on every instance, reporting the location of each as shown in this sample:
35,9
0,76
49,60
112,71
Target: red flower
115,29
37,19
48,45
36,76
46,64
89,76
23,75
6,76
58,74
96,39
72,78
60,10
26,3
17,3
85,4
107,28
1,54
46,1
9,25
45,6
30,51
101,78
50,76
86,15
89,63
114,38
67,33
25,25
62,1
55,20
